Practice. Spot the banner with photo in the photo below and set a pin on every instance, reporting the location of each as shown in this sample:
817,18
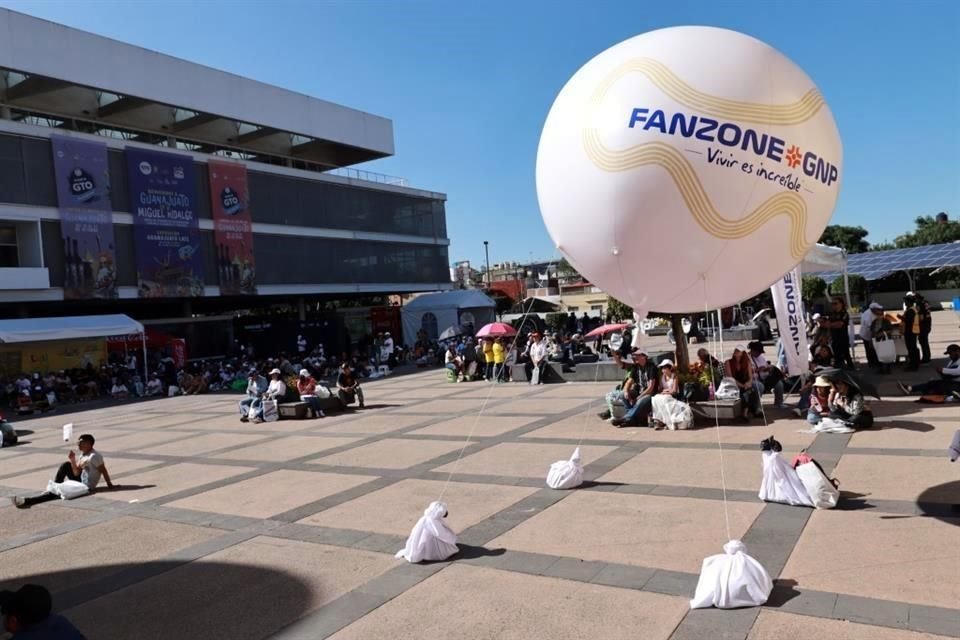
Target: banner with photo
166,231
232,228
86,220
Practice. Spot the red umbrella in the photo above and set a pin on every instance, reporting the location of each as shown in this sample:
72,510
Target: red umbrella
605,329
496,330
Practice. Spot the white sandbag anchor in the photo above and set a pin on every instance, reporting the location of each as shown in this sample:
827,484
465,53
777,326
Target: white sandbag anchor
566,474
732,579
430,539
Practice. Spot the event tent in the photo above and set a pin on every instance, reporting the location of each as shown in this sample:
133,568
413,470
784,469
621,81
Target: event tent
433,312
70,328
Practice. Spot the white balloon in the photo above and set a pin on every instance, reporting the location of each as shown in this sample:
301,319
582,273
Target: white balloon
687,168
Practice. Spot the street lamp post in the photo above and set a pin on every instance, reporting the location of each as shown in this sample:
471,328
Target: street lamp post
486,250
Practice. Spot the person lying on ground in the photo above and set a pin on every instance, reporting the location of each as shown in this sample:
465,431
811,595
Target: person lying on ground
949,382
87,468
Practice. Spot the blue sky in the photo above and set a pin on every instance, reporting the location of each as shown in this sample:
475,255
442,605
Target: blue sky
468,86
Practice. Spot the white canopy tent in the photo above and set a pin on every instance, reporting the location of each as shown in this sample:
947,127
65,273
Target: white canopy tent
71,328
433,312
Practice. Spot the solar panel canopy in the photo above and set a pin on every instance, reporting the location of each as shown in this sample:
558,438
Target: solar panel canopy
874,265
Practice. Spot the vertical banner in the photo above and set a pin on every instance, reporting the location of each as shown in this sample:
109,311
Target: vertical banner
788,303
166,230
86,219
232,228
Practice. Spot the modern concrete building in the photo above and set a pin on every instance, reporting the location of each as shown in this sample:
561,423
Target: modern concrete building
320,227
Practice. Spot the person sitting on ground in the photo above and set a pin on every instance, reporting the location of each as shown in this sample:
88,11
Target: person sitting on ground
451,361
119,390
768,377
87,468
848,406
646,388
154,386
819,402
256,387
740,368
307,388
348,386
821,356
28,615
949,383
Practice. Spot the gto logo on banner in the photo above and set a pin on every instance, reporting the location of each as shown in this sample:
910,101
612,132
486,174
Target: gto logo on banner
790,320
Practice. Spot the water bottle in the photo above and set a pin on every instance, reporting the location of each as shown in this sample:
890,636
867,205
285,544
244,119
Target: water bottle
68,432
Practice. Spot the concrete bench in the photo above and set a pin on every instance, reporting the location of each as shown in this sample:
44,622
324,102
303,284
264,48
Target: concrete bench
717,409
293,410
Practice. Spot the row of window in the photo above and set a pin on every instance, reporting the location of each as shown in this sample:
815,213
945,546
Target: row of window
27,177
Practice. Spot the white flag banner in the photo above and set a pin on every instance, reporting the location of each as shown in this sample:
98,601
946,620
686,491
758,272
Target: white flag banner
788,303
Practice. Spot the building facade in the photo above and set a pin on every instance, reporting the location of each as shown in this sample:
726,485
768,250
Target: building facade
168,134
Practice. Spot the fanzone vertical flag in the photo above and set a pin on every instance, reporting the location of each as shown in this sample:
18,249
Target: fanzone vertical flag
788,302
232,230
86,218
166,231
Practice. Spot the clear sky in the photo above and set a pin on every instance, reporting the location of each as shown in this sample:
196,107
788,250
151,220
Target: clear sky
468,86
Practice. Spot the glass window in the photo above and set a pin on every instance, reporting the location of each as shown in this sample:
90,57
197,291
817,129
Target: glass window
9,256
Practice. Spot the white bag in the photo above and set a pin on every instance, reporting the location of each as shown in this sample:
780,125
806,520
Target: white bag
68,432
830,425
322,392
271,411
728,390
430,539
566,474
886,350
535,375
51,398
173,391
781,483
672,412
819,487
732,579
68,489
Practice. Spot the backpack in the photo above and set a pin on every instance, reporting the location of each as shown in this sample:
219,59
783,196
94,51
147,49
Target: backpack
8,435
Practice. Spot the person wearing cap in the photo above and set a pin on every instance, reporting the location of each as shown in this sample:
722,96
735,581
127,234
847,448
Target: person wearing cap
348,386
87,468
537,353
644,374
626,392
28,615
307,388
740,368
871,326
386,348
767,377
819,407
668,386
277,389
256,387
949,382
910,328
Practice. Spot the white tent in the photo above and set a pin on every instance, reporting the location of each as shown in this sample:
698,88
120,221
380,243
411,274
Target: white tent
433,312
70,328
822,258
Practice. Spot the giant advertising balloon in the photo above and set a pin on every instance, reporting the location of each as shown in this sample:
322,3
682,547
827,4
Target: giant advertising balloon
688,168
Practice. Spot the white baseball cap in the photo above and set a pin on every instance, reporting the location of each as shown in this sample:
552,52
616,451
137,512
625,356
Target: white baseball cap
275,372
666,363
876,306
304,373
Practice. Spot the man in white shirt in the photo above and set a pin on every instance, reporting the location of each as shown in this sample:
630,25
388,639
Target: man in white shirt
949,382
868,328
87,468
537,352
154,386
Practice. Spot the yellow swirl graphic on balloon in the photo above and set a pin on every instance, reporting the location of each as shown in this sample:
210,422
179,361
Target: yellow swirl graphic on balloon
682,172
671,85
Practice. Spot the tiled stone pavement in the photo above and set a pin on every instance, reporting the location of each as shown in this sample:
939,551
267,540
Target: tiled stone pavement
288,530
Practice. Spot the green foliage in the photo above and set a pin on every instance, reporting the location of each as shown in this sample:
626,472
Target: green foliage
556,321
858,287
564,268
929,231
813,288
618,310
849,238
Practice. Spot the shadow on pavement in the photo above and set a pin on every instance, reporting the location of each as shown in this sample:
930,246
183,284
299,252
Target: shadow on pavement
783,592
942,502
169,599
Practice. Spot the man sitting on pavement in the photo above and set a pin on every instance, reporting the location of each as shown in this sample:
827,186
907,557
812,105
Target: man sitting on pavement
348,386
87,468
949,383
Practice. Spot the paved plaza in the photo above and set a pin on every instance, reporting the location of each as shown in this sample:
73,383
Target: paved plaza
288,529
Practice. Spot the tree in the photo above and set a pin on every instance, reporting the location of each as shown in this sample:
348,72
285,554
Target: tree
618,310
858,287
813,288
929,231
849,238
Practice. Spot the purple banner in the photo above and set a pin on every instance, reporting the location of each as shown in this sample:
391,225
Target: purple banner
86,219
166,231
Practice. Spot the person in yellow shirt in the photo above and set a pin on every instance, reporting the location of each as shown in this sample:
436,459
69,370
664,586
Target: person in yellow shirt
488,358
499,358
